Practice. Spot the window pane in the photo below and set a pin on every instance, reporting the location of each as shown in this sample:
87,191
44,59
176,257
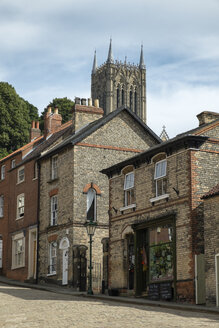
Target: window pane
129,181
160,169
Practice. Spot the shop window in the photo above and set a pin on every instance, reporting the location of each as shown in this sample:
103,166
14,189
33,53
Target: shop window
20,206
160,178
1,206
161,253
54,210
20,175
52,257
54,167
18,251
3,172
91,205
129,189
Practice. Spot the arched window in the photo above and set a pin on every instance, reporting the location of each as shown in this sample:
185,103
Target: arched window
91,205
136,102
117,98
131,100
123,100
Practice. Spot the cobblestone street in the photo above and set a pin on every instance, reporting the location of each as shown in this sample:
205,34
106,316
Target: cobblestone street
24,307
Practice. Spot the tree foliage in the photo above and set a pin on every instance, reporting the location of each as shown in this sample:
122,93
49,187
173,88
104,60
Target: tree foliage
16,115
64,105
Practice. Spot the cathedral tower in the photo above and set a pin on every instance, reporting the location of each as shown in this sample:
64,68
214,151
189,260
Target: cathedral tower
116,84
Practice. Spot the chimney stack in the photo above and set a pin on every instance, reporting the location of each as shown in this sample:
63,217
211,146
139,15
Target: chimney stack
83,114
52,121
35,130
207,117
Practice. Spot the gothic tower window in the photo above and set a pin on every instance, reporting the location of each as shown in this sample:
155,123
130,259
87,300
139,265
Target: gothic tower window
131,100
117,98
136,102
123,101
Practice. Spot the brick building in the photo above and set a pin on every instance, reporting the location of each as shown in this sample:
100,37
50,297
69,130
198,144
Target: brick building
19,201
71,186
211,229
156,238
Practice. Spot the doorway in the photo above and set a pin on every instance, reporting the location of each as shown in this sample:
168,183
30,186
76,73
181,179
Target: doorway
32,253
64,246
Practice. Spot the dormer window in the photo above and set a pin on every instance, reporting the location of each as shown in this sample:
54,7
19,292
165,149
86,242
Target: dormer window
129,189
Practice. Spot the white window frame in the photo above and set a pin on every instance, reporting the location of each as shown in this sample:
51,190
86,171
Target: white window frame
54,167
1,252
2,172
20,206
128,188
90,194
18,251
1,206
159,176
52,258
20,176
35,171
54,210
13,163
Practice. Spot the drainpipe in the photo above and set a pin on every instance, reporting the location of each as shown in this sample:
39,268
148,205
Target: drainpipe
38,223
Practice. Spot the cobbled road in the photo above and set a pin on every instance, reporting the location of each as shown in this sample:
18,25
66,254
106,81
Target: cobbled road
24,307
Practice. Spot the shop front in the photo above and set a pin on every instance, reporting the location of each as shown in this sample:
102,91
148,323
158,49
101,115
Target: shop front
155,266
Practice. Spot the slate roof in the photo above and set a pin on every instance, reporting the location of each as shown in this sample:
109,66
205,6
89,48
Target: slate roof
168,146
93,126
212,192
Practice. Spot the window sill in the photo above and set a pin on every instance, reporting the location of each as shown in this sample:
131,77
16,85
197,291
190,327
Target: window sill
156,199
35,178
127,207
51,274
17,267
19,182
52,180
20,218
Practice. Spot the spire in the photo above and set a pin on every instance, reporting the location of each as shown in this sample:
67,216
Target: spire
164,136
141,64
110,55
94,63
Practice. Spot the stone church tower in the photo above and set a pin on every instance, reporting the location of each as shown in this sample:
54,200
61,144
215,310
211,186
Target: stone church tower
116,84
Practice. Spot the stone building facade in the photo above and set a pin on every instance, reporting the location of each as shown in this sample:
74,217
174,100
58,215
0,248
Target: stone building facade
69,176
211,230
156,238
118,84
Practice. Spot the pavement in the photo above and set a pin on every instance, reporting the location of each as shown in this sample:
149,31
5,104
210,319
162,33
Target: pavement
66,290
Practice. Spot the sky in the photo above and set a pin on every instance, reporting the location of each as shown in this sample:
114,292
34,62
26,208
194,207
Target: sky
47,49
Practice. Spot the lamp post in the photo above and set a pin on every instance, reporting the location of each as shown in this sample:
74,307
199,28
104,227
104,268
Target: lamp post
90,226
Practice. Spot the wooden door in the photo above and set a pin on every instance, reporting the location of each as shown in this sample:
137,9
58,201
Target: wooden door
200,279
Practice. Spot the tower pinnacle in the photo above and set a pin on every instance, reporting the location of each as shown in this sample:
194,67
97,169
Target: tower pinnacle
141,64
94,64
110,54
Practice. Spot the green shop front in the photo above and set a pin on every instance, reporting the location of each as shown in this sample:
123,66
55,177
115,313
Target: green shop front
155,259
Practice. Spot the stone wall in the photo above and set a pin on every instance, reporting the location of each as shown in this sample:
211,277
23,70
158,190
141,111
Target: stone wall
211,224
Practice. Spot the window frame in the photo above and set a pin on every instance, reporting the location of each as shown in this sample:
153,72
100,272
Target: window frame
53,211
129,190
54,168
95,203
52,258
1,206
19,179
35,171
160,178
13,163
3,168
1,252
20,215
16,253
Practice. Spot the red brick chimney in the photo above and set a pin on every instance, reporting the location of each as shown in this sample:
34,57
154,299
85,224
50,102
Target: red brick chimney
83,114
52,121
35,130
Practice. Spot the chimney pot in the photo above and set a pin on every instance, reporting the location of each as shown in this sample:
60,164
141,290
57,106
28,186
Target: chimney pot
77,100
56,110
33,125
89,102
83,101
49,109
37,125
96,103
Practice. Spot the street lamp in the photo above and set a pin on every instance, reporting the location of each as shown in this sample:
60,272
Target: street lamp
90,226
